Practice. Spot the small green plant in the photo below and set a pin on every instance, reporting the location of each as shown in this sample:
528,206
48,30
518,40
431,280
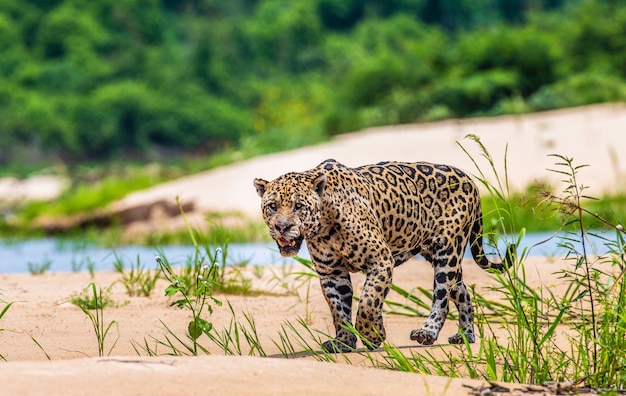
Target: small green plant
96,303
83,263
3,312
91,268
138,281
77,265
86,298
39,268
199,300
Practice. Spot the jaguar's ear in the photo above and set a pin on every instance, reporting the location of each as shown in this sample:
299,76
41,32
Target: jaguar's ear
319,184
260,186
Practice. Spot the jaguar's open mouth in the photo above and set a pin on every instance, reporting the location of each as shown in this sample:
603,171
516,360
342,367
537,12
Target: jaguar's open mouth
288,247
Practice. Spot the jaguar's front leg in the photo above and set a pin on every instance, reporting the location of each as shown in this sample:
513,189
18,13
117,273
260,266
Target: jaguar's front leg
369,318
337,288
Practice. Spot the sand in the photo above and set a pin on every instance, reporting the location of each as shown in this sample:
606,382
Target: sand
63,333
41,311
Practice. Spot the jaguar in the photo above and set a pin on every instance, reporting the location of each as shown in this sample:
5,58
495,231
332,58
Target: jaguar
371,219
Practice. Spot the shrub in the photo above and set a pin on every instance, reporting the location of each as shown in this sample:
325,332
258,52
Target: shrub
580,89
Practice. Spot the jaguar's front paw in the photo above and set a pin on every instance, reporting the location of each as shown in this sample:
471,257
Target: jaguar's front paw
424,337
338,346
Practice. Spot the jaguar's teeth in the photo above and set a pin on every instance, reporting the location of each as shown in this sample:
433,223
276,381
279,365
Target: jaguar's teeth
292,243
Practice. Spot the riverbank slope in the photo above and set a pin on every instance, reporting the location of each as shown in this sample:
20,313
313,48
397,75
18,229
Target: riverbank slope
591,135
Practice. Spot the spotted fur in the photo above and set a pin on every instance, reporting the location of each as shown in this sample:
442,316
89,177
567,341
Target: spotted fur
372,219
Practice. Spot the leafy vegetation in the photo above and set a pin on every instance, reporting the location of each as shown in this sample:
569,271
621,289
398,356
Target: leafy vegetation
87,299
93,90
84,81
138,281
197,297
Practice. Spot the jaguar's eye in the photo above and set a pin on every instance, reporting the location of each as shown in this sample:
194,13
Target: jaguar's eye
298,206
273,206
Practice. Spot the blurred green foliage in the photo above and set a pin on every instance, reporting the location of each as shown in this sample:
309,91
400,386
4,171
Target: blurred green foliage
84,80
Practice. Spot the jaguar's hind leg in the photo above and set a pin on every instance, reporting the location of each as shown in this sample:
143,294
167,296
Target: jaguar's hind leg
462,300
446,266
429,332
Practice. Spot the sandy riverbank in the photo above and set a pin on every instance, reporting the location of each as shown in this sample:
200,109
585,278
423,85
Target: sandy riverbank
41,312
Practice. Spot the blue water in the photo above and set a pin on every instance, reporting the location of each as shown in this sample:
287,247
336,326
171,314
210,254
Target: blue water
65,256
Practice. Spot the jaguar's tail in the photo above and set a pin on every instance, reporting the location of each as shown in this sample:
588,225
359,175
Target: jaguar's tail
478,253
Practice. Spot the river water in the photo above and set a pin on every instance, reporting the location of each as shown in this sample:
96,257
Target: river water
71,255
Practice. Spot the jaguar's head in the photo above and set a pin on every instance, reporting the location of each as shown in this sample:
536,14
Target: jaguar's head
291,207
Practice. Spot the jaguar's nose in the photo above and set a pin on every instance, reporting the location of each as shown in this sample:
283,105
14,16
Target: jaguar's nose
282,227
